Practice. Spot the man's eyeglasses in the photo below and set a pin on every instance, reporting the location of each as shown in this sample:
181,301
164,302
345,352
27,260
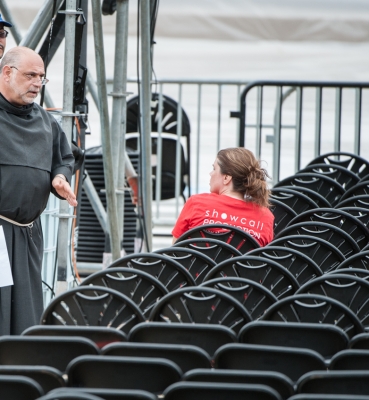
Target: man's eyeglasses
3,33
33,77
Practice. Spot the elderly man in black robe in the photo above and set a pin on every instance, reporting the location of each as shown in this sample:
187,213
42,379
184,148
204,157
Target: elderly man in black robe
35,159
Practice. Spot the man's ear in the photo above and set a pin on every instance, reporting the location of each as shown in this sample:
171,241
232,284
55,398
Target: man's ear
7,71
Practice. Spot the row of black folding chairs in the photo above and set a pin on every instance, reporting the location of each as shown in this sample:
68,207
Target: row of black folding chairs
155,367
337,180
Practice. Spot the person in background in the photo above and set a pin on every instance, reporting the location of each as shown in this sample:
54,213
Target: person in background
239,196
3,35
35,159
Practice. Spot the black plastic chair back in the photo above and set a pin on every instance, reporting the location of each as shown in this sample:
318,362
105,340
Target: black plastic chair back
264,271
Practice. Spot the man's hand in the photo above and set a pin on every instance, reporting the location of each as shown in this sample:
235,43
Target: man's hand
64,190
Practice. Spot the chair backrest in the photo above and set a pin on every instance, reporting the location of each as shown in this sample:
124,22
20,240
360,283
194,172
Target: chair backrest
335,382
104,393
332,234
283,214
277,381
201,304
339,173
302,267
361,188
100,335
69,394
325,339
361,273
213,248
338,217
325,186
316,309
41,350
253,296
350,290
95,306
360,341
323,253
359,261
262,270
359,212
320,200
324,396
236,237
19,388
165,269
186,356
209,337
298,201
351,161
48,378
361,201
141,287
219,391
196,263
293,362
116,372
350,359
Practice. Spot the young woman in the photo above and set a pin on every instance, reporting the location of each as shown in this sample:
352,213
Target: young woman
239,196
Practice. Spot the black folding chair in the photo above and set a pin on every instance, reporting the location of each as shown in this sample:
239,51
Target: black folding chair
350,359
141,287
275,380
335,382
253,296
219,391
302,267
93,306
323,253
350,290
320,200
325,186
201,305
114,372
339,173
336,216
316,309
331,233
264,271
325,339
298,201
48,378
54,351
283,214
100,335
353,162
186,356
197,263
100,393
19,388
232,235
208,337
217,250
165,269
293,362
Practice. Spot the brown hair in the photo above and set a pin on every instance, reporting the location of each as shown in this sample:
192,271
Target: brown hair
247,175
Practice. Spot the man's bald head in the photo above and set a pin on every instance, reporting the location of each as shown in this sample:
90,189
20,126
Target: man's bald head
21,74
16,55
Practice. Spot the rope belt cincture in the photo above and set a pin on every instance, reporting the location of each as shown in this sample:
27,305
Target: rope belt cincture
30,225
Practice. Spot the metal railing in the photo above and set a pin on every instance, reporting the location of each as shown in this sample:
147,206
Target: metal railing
324,116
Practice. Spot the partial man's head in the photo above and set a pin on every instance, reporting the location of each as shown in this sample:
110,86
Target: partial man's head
3,34
22,75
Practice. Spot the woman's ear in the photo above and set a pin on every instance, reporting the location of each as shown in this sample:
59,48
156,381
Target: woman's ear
227,179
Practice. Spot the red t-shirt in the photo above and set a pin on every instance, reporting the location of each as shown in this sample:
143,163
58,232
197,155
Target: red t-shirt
211,208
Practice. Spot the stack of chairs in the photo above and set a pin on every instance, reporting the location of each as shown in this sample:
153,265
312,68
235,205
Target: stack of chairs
216,315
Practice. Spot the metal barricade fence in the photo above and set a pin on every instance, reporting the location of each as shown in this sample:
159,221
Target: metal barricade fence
288,123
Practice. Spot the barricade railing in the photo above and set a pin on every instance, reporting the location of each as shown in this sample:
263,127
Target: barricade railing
288,123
